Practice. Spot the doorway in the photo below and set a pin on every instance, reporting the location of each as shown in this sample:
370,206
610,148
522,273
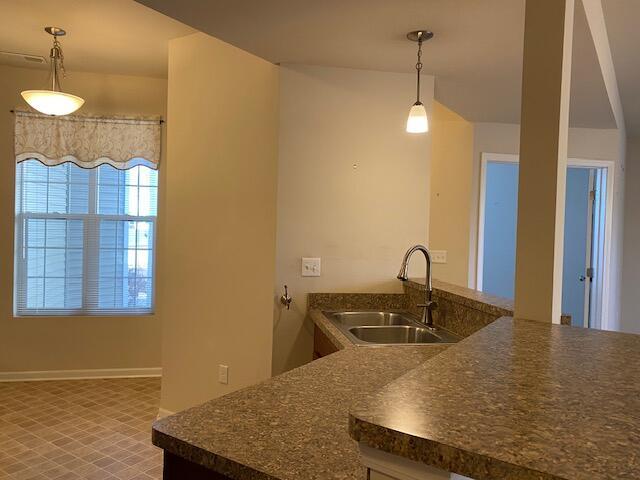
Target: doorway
585,234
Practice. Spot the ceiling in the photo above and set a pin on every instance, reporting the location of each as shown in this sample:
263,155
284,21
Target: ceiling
624,36
476,54
106,36
590,106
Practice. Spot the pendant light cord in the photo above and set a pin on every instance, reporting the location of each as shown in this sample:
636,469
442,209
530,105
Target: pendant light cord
419,66
57,62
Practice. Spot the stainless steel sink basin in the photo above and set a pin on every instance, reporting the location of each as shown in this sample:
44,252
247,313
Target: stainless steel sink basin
387,328
395,334
370,319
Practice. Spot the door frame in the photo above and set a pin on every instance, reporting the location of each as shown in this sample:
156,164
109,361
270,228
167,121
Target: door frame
588,281
609,165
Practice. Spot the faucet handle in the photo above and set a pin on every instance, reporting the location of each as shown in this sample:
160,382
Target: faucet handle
431,305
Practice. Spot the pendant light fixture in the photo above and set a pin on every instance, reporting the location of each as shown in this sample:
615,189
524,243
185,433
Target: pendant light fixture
54,101
418,121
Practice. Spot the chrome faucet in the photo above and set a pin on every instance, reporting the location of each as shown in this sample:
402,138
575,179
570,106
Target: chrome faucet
429,305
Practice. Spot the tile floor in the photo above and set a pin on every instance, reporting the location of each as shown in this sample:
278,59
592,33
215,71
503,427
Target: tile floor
79,429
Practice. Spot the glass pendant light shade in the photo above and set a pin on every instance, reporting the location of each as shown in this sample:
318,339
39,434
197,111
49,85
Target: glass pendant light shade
51,102
417,121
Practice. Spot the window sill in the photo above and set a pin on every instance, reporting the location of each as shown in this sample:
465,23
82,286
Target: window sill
84,315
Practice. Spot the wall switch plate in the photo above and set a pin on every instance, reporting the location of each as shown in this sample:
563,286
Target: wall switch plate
310,267
223,374
438,256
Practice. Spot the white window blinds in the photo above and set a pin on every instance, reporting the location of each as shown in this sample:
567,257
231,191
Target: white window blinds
84,239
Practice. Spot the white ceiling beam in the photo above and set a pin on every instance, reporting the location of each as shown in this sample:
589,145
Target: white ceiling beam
598,28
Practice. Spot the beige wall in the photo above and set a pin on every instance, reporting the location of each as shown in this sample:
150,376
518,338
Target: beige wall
71,343
220,219
451,177
584,143
353,189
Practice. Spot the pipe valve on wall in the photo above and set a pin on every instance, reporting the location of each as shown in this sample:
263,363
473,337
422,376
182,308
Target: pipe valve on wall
285,299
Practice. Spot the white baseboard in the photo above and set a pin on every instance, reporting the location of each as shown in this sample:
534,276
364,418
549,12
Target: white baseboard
80,374
163,412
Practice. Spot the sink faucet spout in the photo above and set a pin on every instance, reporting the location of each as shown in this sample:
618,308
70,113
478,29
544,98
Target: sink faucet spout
429,305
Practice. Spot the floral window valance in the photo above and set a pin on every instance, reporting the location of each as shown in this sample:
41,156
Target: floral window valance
122,142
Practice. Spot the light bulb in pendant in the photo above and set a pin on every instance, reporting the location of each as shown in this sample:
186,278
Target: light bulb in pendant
418,122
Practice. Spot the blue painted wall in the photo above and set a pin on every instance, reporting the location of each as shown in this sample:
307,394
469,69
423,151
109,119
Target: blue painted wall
501,209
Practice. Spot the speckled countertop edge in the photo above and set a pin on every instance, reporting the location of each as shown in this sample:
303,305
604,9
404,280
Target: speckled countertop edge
475,299
187,433
484,302
435,453
445,457
290,427
335,336
515,400
224,465
178,439
356,301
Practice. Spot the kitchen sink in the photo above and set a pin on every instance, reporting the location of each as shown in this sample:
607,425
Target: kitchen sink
387,328
369,319
395,334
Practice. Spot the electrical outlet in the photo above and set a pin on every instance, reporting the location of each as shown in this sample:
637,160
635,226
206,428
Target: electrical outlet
223,374
438,256
310,267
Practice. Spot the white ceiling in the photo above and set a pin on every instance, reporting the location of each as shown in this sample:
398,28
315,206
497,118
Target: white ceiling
622,18
476,55
107,36
590,106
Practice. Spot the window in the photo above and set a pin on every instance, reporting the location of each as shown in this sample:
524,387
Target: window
84,239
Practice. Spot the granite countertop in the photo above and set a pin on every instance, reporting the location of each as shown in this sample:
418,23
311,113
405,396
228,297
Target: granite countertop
518,399
472,299
461,318
468,296
333,333
293,426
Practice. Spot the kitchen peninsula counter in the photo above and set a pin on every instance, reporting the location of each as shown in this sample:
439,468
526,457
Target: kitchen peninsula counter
518,399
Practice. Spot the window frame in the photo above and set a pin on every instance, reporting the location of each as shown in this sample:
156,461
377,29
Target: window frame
91,250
